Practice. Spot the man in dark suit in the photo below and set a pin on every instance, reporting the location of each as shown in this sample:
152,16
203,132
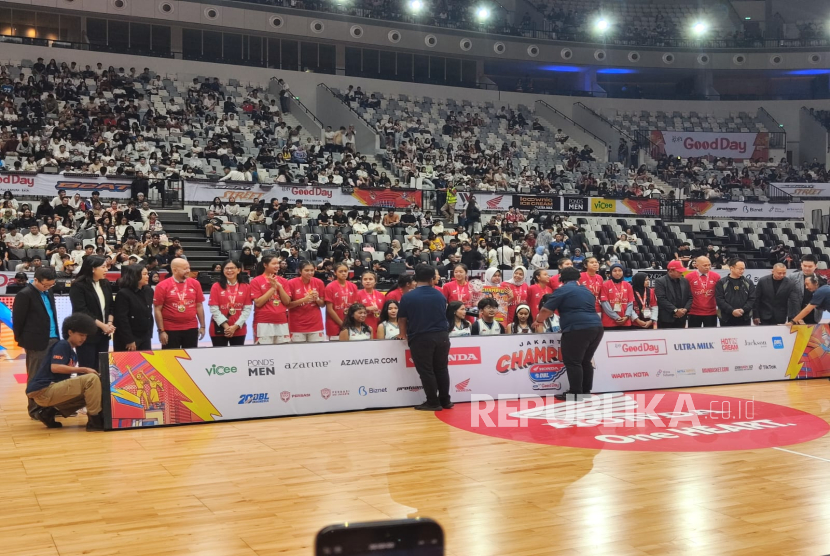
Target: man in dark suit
674,297
776,297
35,322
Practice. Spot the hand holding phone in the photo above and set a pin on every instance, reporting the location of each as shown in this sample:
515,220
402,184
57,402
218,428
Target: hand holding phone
405,537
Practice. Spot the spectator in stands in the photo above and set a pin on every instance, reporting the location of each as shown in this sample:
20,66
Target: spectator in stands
775,297
704,311
674,297
809,264
178,304
55,391
735,296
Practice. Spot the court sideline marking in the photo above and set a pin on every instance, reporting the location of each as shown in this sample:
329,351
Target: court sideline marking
800,454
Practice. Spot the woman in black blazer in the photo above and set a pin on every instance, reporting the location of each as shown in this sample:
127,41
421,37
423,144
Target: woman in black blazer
133,310
91,294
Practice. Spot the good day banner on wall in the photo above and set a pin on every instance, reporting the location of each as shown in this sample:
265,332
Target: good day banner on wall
48,185
218,384
739,146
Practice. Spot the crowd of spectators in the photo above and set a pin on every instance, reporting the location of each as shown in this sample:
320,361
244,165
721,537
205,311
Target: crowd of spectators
61,232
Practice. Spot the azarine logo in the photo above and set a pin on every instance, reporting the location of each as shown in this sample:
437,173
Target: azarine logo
755,343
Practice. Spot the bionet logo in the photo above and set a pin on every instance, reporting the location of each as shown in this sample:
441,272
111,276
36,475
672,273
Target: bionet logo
652,421
458,356
636,348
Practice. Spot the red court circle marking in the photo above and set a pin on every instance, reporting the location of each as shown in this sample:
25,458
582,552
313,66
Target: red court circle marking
653,421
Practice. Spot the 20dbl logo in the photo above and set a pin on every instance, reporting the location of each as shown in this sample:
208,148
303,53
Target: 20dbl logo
253,398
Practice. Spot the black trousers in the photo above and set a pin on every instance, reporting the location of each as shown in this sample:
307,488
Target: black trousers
222,341
706,321
89,350
578,348
676,323
141,344
431,354
736,321
767,322
178,339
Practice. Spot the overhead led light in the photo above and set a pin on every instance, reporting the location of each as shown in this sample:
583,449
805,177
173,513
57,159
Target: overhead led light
483,13
416,5
602,25
699,28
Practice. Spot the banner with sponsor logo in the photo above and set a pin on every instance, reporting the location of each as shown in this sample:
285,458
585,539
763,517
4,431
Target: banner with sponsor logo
635,206
814,190
218,384
685,144
740,209
205,192
47,185
486,201
541,202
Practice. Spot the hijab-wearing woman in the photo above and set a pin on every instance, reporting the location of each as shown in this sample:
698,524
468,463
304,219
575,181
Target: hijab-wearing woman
617,299
645,302
230,305
518,287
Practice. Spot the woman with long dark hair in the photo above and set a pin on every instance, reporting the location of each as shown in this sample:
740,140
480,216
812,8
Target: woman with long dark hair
133,310
388,328
371,299
91,295
230,306
457,319
340,295
354,324
269,294
406,283
307,294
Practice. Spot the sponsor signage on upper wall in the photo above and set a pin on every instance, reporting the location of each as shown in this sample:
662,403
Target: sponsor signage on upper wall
48,185
814,190
685,144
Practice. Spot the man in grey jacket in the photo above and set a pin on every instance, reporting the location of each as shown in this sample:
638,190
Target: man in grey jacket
809,263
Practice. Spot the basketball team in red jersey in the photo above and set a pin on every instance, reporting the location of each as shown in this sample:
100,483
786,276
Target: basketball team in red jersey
292,310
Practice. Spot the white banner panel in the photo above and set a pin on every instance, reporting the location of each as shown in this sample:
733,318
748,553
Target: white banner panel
297,379
687,144
816,190
486,201
47,185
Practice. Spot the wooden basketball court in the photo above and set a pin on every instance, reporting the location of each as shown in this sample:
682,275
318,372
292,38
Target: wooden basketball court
266,487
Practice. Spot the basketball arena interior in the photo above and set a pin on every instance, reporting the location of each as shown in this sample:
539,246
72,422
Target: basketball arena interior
301,164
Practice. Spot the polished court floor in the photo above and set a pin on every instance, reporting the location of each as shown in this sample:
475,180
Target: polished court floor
266,487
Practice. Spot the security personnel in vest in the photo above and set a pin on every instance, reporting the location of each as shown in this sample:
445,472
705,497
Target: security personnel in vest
735,296
448,210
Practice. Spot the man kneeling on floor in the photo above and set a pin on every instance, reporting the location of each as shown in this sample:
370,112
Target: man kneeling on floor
55,391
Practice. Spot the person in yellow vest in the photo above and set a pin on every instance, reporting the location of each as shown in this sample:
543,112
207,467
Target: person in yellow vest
448,209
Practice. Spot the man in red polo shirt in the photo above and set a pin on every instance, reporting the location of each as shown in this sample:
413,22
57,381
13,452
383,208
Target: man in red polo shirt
178,303
704,311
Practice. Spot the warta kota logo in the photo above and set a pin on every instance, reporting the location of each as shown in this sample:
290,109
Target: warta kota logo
458,356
